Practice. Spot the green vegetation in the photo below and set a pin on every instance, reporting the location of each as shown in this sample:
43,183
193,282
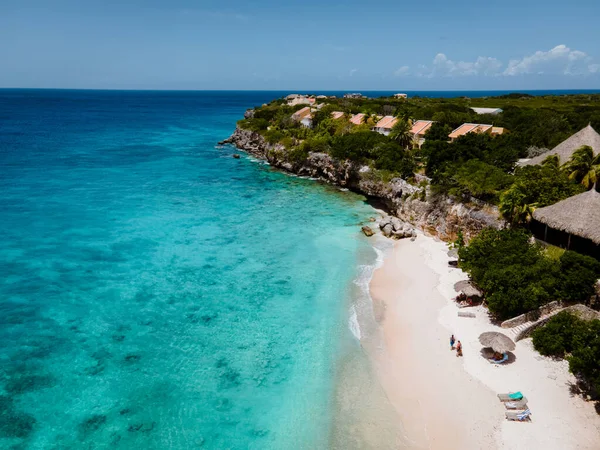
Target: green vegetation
567,336
584,167
477,166
518,276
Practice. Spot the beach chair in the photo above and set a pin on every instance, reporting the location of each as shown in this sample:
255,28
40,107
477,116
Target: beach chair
510,397
503,360
519,416
520,404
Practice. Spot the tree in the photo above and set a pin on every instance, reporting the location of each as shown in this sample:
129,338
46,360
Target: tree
578,275
401,133
558,336
552,161
438,132
514,207
543,185
475,178
515,275
584,167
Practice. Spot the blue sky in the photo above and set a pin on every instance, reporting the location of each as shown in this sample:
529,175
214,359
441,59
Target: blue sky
310,44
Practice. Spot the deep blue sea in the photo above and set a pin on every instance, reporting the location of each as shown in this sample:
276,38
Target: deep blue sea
156,292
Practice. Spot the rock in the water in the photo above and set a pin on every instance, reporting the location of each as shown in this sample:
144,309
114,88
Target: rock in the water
367,231
236,156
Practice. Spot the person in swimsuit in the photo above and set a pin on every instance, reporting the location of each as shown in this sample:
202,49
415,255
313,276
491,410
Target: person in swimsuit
458,349
452,341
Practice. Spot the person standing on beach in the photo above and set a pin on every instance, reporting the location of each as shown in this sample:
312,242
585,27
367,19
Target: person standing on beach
458,349
452,340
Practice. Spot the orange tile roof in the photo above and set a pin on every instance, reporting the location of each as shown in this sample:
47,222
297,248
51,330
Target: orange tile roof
420,127
471,128
357,119
336,114
301,113
497,130
387,122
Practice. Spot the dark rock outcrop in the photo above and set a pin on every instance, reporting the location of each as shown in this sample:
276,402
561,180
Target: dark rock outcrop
367,231
438,215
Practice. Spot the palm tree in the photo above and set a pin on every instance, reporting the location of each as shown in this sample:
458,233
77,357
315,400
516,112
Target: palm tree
401,133
583,166
551,161
514,207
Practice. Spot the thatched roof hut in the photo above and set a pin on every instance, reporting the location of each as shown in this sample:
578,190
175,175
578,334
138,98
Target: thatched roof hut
564,150
578,215
467,288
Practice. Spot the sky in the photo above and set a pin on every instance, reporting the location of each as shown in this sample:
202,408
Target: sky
303,45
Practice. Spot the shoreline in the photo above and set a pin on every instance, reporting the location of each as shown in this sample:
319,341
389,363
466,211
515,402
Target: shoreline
445,402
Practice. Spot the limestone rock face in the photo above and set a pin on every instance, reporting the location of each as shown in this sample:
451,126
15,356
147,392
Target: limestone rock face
413,206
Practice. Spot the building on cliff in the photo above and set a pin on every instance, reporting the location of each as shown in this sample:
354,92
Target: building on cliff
304,116
467,128
418,130
385,125
573,223
587,136
357,119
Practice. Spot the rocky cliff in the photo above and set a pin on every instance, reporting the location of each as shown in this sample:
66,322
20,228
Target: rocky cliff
438,215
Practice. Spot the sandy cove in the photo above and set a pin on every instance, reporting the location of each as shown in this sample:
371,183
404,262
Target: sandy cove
445,402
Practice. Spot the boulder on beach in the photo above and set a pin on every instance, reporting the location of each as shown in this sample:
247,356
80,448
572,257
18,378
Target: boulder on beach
395,228
367,231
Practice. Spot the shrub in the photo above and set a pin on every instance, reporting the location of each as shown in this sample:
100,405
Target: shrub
558,336
514,274
578,275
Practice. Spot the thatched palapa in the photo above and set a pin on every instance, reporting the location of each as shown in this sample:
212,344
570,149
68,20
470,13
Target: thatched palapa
467,288
564,150
578,215
497,341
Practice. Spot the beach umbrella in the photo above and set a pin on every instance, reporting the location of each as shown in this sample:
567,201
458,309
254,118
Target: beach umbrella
467,288
497,341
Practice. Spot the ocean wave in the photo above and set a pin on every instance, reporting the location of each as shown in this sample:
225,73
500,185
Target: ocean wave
362,303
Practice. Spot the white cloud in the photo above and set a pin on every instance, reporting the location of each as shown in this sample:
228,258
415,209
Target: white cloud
402,71
353,71
442,66
559,60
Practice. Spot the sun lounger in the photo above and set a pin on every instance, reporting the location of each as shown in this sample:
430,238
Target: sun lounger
504,359
466,314
520,404
510,397
519,416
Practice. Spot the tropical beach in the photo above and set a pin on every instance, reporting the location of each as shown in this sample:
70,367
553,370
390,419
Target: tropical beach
446,402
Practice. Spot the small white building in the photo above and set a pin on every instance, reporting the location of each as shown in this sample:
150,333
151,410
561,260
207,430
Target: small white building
400,95
493,111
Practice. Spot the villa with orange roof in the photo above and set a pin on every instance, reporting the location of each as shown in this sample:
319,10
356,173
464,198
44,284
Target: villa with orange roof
304,116
385,124
357,119
467,128
337,115
418,130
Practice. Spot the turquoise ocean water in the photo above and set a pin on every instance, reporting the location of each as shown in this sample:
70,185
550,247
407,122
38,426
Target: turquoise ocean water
157,293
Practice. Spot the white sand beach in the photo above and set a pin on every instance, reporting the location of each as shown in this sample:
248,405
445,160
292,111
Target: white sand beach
446,402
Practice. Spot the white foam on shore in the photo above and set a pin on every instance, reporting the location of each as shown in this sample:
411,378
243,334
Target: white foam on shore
363,300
